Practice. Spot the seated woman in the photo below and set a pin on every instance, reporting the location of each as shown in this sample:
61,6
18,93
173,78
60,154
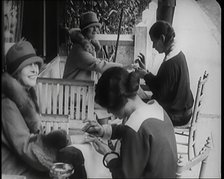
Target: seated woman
148,146
171,85
82,58
25,149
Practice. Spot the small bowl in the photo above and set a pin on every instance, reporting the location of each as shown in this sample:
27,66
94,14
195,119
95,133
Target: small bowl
61,170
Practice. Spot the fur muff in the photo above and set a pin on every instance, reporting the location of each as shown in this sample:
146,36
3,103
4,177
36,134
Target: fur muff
57,139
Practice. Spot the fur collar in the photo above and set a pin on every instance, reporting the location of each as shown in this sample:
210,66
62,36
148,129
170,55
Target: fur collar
24,100
90,46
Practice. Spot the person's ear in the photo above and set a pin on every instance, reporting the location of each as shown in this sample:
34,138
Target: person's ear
162,37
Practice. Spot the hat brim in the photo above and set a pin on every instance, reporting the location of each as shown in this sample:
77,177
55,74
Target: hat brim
91,25
29,61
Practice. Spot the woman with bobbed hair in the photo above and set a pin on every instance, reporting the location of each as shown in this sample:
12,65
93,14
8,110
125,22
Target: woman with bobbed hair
171,85
146,136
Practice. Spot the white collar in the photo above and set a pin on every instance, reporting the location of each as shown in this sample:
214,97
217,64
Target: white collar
175,50
151,110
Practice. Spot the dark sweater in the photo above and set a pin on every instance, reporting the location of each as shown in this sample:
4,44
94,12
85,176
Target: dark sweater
148,145
171,85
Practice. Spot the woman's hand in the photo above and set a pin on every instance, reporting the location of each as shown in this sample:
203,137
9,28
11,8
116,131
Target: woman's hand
93,128
101,147
141,61
141,72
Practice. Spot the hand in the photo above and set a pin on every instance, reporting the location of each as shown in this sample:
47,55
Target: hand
131,66
89,138
94,128
101,147
141,61
141,72
111,59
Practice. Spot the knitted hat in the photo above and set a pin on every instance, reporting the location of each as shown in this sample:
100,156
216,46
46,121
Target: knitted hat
89,19
20,55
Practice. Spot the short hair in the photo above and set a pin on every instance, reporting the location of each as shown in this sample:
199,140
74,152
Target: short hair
163,28
115,86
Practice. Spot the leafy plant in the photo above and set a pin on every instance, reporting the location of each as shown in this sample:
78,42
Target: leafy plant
108,12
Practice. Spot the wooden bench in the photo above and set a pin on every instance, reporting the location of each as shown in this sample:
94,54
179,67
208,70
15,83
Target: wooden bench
66,97
52,122
63,96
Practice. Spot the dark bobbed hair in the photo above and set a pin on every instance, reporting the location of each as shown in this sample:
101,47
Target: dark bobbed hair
115,86
160,28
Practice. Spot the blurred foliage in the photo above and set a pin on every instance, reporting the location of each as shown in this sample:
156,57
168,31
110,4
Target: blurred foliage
108,13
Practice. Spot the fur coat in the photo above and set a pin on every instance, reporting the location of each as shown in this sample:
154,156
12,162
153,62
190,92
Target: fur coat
25,150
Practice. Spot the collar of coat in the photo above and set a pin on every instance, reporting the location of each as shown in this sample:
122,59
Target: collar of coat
91,46
175,50
24,100
151,110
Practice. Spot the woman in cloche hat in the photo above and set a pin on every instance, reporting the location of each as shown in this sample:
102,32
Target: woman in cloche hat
25,149
82,58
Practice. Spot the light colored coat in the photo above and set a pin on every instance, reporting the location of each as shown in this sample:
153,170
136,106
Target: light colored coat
82,59
25,151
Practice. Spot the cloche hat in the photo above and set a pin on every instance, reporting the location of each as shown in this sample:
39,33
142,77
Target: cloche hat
88,19
20,55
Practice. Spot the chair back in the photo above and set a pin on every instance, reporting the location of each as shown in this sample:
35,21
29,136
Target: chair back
66,97
52,122
201,159
196,110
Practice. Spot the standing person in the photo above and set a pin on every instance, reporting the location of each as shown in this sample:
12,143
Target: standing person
82,58
165,10
147,140
25,149
171,85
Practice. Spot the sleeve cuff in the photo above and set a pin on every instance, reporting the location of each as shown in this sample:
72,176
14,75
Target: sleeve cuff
110,157
107,131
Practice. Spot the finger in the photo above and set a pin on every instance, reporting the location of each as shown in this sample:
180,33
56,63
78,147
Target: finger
140,57
97,141
136,60
89,138
141,54
95,146
91,130
90,123
86,127
142,65
140,62
86,120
